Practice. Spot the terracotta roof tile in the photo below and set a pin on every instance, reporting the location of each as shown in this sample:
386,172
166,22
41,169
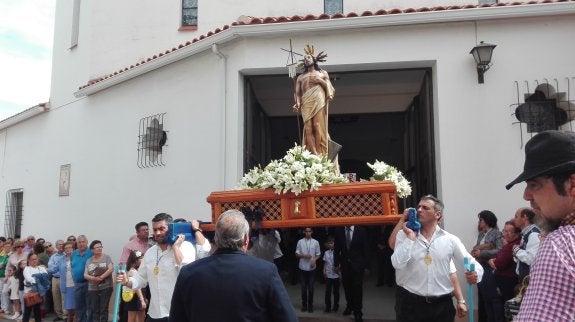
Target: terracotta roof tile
311,17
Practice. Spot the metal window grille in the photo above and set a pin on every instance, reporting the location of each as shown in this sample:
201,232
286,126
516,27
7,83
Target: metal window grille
189,13
151,141
544,105
13,214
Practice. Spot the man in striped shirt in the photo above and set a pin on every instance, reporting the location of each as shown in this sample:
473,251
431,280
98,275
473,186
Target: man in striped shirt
549,172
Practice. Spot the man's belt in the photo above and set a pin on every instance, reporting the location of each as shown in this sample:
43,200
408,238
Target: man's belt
425,299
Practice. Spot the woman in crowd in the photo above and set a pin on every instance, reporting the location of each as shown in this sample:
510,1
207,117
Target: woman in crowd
489,243
66,281
136,307
98,273
72,239
504,265
18,253
31,283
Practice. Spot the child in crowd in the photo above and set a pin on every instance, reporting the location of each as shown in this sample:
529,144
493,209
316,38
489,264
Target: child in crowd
5,288
136,307
15,281
330,273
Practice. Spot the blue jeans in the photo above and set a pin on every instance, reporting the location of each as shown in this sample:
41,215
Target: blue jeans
83,304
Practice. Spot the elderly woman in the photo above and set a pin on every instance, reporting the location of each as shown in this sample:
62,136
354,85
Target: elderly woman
98,273
504,265
66,280
18,253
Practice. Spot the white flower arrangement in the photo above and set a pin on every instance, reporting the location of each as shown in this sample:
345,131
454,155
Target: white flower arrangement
383,171
299,170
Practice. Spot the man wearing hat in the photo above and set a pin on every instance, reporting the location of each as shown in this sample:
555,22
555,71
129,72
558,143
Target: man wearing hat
549,172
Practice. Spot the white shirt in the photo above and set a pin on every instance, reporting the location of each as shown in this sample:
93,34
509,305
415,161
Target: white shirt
328,264
266,246
307,246
527,255
29,278
162,284
413,274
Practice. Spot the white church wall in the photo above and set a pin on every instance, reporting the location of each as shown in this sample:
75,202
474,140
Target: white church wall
114,35
476,142
478,146
98,136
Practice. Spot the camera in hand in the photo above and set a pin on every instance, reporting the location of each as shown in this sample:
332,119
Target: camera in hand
180,228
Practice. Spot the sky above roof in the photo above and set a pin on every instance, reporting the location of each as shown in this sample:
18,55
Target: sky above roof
26,37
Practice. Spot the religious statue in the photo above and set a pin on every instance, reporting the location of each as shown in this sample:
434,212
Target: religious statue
313,91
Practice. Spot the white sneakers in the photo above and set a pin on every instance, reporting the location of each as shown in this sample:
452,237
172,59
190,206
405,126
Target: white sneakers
16,316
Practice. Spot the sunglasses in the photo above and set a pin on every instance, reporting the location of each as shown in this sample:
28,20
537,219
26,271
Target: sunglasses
46,246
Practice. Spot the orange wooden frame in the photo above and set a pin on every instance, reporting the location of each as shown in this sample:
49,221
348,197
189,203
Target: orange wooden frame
357,203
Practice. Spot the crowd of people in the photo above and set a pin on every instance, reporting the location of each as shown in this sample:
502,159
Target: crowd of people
74,278
178,280
505,256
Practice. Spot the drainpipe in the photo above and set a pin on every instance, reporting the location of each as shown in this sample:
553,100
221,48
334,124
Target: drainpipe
223,141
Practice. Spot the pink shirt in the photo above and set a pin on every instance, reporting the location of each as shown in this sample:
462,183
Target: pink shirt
550,295
133,245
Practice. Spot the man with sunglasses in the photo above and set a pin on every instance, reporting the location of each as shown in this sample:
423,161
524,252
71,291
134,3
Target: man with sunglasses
29,244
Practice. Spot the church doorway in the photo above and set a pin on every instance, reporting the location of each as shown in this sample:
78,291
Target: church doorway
378,114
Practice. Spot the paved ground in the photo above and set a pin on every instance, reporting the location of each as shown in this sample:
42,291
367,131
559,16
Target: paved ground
378,303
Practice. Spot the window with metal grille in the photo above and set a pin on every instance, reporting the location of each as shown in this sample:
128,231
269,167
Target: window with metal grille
331,7
13,215
546,104
189,13
151,141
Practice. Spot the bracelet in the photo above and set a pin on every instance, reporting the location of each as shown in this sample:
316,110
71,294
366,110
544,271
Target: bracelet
461,302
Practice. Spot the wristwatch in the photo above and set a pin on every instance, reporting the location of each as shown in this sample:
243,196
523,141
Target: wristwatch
460,301
195,230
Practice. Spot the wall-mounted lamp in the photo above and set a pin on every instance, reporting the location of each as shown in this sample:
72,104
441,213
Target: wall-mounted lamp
482,55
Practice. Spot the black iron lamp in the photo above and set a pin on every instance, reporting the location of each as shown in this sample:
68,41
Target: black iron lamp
482,55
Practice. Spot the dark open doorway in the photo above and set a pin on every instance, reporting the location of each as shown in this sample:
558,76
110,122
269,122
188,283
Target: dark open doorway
385,115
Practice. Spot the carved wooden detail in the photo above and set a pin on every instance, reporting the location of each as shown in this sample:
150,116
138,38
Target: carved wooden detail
356,203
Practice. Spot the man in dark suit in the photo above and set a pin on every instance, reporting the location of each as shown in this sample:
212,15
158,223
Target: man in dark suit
230,285
352,255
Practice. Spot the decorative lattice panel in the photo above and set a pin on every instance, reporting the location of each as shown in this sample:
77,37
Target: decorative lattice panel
354,203
272,208
348,205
